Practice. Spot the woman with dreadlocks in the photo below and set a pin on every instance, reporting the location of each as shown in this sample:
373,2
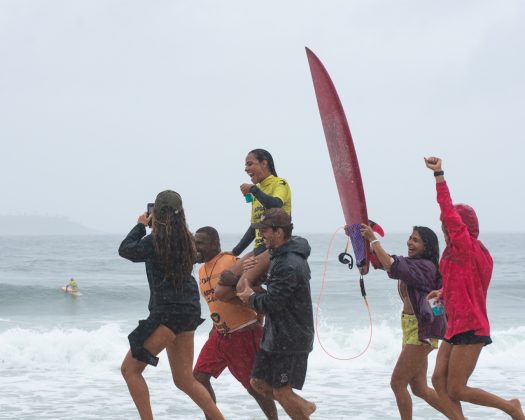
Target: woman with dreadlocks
174,306
418,274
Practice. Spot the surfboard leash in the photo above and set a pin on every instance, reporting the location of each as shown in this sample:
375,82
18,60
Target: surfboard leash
344,258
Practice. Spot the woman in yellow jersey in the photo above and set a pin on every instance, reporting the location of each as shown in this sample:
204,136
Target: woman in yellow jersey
267,191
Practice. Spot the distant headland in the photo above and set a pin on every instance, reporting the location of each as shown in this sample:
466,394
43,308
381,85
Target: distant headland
28,225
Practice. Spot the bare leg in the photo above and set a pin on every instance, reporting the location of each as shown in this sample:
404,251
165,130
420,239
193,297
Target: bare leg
295,406
251,277
237,268
420,387
267,405
262,387
180,356
463,360
451,407
132,371
204,379
411,368
265,389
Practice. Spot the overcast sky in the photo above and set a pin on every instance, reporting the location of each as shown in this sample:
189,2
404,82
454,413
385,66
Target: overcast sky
105,103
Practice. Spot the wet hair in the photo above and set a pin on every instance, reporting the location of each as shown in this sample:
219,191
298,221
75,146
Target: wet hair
211,232
173,243
287,230
431,251
261,154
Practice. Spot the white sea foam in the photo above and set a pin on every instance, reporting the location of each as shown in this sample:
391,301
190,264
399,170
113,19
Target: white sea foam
75,348
39,366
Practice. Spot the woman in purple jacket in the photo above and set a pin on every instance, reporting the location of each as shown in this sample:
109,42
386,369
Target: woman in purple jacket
418,274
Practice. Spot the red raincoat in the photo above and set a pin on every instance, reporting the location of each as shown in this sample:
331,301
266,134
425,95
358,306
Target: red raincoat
466,267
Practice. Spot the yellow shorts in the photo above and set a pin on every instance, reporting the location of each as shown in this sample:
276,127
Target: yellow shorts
410,332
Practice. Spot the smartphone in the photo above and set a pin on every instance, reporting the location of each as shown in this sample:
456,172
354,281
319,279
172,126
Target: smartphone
150,210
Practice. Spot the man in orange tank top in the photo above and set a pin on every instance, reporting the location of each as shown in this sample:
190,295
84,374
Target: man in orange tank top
236,335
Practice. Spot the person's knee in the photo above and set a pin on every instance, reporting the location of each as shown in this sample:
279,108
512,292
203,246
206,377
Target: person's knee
439,383
396,384
128,370
184,382
281,394
418,391
258,395
201,377
257,386
454,391
124,370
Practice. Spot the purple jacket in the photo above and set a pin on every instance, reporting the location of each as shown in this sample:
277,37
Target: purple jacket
419,275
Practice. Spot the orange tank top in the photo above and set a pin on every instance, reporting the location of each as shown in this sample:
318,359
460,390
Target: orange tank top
226,316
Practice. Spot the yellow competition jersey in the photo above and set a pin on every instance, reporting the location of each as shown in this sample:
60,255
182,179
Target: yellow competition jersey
225,316
276,187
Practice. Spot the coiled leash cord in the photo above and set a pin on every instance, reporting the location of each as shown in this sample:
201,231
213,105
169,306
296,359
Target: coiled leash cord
344,258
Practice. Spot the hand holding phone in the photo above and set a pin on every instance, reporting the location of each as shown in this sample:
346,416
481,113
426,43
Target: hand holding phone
149,210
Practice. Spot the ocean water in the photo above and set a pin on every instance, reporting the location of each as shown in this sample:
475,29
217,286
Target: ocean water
60,356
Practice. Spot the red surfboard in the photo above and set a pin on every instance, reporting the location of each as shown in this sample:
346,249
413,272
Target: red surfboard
343,157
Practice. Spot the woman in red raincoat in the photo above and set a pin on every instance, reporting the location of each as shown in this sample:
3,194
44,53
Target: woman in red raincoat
466,266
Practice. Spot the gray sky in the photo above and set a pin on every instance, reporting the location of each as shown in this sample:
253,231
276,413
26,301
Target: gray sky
105,103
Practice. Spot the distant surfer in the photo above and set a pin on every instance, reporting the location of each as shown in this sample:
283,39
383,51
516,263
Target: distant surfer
236,334
418,274
281,362
174,306
72,286
466,267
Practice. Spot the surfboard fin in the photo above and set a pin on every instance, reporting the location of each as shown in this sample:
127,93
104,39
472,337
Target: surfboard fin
376,228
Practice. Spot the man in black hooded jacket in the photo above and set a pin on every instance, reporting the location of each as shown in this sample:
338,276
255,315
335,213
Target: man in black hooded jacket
281,362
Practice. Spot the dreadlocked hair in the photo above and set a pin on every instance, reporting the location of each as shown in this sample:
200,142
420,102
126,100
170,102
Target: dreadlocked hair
260,155
174,245
431,251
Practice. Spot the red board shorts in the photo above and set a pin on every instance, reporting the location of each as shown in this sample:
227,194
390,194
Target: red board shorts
236,351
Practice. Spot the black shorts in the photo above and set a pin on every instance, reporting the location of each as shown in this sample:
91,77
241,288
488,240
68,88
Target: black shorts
175,322
281,369
469,337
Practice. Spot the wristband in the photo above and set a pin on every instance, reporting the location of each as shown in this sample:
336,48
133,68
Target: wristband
439,173
374,241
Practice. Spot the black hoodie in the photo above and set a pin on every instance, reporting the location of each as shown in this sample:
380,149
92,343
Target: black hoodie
287,303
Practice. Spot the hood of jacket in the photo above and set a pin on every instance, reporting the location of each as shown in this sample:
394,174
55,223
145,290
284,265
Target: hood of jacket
296,244
468,215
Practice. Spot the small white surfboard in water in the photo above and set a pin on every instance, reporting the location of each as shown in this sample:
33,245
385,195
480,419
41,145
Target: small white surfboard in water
70,291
